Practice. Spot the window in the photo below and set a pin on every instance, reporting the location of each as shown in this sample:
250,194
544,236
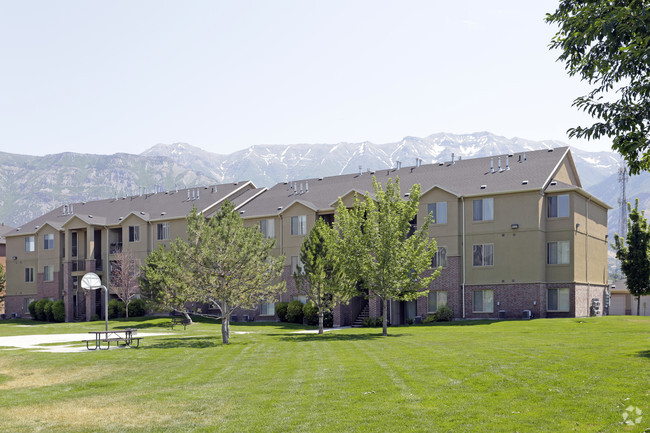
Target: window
483,301
163,231
29,244
484,209
558,206
436,300
440,257
296,265
48,242
74,243
134,233
267,227
299,225
29,275
27,302
483,255
557,253
558,300
301,298
48,273
267,308
439,212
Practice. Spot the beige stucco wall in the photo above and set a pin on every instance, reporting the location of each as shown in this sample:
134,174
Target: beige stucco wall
446,235
291,243
16,284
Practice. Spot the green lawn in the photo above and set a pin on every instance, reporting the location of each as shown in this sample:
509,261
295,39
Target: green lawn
551,375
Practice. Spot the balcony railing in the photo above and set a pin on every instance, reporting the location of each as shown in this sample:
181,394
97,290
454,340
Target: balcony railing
116,248
78,265
99,265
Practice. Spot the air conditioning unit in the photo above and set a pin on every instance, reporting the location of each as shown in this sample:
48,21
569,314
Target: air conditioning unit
527,315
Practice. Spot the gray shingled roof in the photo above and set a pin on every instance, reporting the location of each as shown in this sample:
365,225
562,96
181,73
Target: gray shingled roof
464,178
3,231
162,205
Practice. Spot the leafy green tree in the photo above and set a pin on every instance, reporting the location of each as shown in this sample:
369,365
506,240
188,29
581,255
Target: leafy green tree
164,282
634,254
231,265
321,278
378,246
607,44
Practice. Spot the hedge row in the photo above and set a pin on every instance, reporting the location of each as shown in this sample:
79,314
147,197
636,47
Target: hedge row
296,312
47,310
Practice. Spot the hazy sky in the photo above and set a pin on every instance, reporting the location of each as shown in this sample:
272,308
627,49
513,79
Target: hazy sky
122,76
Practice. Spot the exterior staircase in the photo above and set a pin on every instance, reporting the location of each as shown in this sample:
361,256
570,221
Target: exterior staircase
79,317
358,323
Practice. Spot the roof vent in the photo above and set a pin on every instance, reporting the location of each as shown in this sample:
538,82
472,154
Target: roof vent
524,156
507,164
163,213
320,178
360,170
71,209
198,193
90,216
306,186
483,186
300,187
241,212
398,164
510,155
36,227
372,172
441,163
491,165
453,157
524,182
120,218
406,194
279,207
499,162
550,150
285,182
141,213
553,183
188,194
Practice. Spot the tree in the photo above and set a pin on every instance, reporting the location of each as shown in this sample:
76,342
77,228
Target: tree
124,277
231,265
222,263
379,246
164,282
3,282
321,278
607,43
634,254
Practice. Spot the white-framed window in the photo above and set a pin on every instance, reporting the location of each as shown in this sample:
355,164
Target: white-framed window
299,225
483,254
134,233
48,273
483,301
438,211
437,298
27,302
440,257
558,206
74,237
48,241
484,209
162,231
267,227
267,308
301,298
29,244
296,265
557,253
558,300
29,275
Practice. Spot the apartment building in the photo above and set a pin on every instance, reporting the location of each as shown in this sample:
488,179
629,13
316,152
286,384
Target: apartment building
3,257
49,255
516,235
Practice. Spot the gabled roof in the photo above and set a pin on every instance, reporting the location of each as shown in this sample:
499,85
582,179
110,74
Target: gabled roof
148,207
522,171
3,231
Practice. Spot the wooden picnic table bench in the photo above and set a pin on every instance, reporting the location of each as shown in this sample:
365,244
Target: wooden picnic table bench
179,321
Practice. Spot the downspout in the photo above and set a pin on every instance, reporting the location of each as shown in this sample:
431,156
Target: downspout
462,252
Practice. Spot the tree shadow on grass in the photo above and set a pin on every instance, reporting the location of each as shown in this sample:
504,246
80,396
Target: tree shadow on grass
184,342
334,336
644,354
140,326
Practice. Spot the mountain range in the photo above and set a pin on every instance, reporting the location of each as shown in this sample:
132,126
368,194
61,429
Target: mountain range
33,185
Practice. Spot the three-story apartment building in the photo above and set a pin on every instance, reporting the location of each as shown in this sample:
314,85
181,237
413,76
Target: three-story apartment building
50,254
515,233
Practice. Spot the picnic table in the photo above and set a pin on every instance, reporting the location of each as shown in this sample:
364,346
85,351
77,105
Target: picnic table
124,336
179,321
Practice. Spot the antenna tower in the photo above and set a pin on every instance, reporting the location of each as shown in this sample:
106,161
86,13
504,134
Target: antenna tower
622,203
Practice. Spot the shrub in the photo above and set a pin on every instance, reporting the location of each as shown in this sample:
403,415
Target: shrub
369,322
137,308
429,319
294,312
47,310
281,311
115,308
39,309
310,313
328,319
409,321
58,311
32,309
444,314
95,317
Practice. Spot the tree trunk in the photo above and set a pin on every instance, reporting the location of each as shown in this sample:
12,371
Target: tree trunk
638,305
320,321
225,329
187,317
126,309
385,317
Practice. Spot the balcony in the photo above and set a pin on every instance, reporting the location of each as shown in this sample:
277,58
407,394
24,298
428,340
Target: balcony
77,265
116,248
